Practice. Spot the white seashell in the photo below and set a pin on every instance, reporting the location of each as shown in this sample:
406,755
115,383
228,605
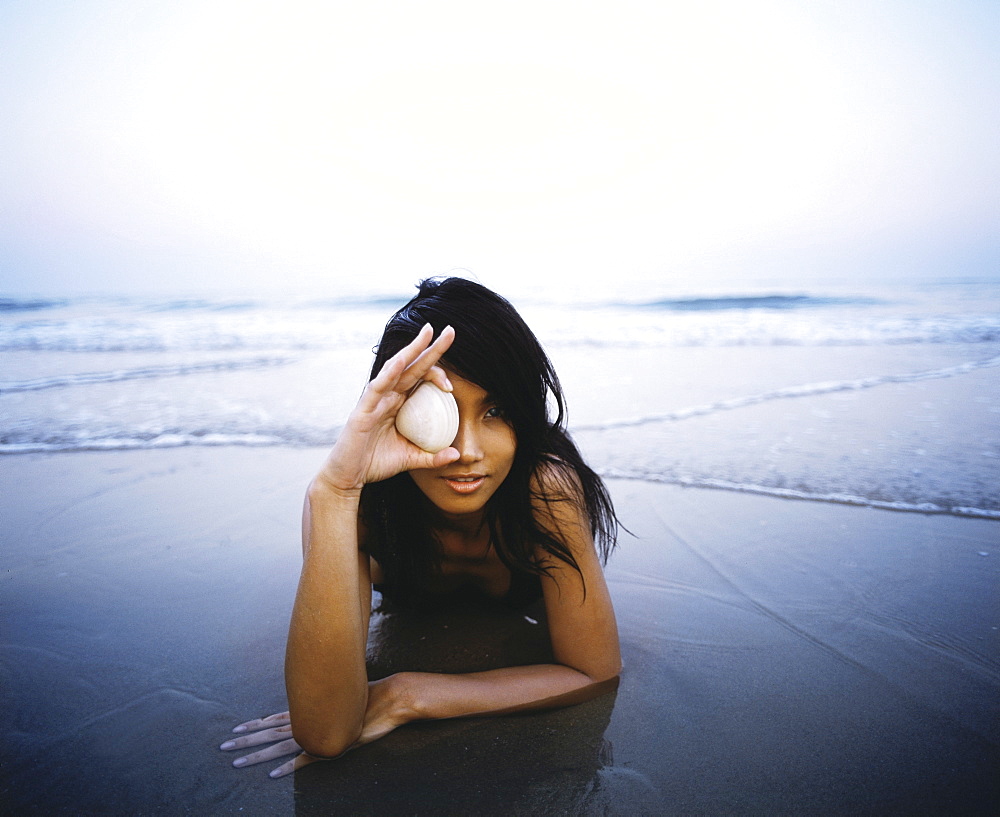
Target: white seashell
429,418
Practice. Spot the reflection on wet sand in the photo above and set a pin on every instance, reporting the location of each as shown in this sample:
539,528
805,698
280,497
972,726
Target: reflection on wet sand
549,762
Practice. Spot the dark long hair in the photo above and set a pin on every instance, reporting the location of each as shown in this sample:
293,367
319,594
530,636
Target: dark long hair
495,349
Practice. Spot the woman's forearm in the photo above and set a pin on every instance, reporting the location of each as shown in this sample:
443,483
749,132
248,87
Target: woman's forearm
325,658
426,695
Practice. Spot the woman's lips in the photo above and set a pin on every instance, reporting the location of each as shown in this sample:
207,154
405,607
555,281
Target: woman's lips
465,484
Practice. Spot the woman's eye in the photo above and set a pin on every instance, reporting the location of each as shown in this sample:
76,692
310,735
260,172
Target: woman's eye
494,411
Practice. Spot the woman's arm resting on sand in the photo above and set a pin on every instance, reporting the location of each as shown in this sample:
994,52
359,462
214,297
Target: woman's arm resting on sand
427,695
584,639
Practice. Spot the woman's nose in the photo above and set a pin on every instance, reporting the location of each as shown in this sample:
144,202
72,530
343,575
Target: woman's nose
467,443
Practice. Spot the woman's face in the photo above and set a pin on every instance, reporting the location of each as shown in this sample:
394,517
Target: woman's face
486,444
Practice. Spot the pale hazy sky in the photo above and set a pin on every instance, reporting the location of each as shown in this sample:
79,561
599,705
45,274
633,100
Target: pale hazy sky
223,144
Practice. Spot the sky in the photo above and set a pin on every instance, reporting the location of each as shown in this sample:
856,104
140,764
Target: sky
216,145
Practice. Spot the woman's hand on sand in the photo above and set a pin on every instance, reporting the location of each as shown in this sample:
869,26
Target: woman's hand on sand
275,729
369,448
384,713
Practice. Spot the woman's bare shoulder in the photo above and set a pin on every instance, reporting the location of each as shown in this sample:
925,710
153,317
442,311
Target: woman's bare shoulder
556,480
559,507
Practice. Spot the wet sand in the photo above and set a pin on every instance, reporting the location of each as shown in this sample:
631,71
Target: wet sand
782,657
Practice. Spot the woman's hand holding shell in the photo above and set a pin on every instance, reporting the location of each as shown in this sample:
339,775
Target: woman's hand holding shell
370,448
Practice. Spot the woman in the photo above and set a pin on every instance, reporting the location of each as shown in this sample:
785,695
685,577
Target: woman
509,511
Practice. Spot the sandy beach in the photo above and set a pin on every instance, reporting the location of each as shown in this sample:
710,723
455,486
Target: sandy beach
782,656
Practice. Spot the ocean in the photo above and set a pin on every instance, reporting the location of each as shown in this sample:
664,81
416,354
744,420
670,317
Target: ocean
887,396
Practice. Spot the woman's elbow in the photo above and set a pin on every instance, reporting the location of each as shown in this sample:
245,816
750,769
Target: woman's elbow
599,672
324,744
609,671
324,747
604,665
618,668
599,667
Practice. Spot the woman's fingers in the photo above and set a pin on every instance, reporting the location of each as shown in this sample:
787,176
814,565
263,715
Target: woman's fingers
257,738
438,376
411,364
285,747
274,729
425,363
424,459
293,765
277,719
387,378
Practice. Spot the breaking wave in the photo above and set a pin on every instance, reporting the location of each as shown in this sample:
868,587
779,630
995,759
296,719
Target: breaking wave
141,373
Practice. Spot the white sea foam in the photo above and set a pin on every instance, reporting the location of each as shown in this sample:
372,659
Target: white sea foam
142,373
755,319
789,493
788,392
169,440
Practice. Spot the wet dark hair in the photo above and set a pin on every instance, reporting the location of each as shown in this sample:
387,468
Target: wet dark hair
495,349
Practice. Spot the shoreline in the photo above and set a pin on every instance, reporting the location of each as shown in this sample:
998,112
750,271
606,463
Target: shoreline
781,657
788,493
708,483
